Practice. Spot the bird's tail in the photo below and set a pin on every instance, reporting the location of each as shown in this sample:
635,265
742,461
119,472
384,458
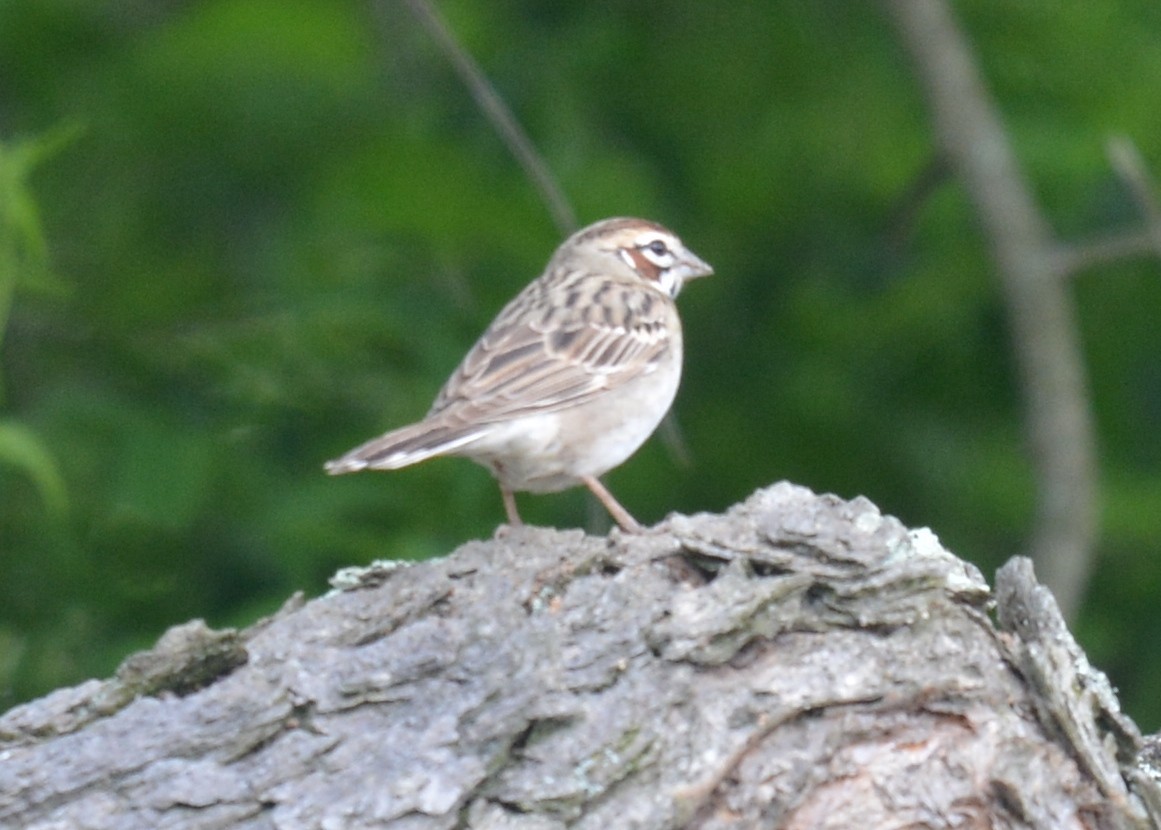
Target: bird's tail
403,447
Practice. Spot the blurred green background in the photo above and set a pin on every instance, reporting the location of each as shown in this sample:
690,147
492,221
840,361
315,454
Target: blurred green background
241,236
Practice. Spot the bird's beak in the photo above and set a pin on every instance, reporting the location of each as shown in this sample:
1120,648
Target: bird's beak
693,266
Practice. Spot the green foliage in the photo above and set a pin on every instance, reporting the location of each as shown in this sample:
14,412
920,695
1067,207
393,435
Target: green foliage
23,451
284,222
24,267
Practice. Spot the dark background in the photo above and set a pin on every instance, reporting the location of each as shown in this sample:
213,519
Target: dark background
241,236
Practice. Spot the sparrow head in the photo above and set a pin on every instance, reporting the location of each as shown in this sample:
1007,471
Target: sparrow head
653,253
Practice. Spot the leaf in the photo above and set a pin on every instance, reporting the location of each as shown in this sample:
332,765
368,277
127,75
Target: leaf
23,248
22,449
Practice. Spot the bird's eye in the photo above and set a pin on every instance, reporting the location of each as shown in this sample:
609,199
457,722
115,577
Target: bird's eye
658,247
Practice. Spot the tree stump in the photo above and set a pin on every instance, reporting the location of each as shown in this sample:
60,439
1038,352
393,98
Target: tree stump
798,662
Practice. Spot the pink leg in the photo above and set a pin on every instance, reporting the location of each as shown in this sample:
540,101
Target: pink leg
510,507
620,515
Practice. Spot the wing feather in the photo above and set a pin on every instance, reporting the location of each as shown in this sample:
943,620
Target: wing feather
528,364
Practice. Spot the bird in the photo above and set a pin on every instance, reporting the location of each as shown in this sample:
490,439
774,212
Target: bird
572,376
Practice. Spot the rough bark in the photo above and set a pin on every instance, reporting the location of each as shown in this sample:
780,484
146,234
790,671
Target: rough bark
799,662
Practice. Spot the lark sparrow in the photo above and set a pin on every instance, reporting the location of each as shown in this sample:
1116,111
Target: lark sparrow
571,377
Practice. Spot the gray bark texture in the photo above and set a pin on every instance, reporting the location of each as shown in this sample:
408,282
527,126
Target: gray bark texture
798,662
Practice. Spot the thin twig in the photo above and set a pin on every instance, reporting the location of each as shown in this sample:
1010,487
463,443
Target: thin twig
493,106
903,216
1072,258
1130,168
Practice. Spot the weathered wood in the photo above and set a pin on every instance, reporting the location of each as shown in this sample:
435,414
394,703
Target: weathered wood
799,662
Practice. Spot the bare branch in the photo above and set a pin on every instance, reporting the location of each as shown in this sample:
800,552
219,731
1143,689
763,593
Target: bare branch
904,214
494,108
1071,257
1130,167
1131,170
1075,257
1042,317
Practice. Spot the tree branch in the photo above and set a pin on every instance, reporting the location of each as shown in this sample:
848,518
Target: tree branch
1041,314
1130,168
500,116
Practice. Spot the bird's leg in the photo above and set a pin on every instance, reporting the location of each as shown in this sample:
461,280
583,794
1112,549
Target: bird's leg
620,515
510,507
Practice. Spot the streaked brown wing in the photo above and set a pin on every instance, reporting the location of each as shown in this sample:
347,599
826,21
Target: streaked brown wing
517,369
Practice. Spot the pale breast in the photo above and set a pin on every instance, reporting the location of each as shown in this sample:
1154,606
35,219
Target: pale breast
552,451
